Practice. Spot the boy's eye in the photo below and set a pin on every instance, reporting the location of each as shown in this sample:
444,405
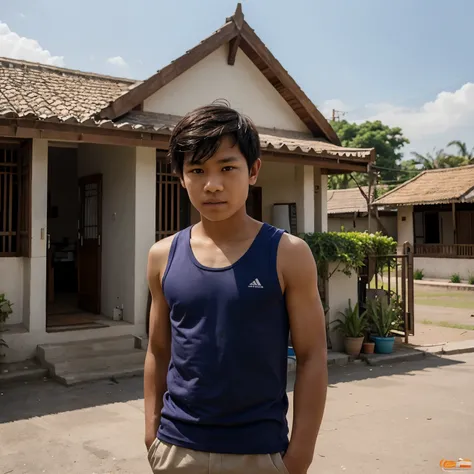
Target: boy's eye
228,168
196,171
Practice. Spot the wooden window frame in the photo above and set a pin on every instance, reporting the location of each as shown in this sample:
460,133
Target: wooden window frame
16,240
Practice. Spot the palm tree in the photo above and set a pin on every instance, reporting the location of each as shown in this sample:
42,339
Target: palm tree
431,161
463,152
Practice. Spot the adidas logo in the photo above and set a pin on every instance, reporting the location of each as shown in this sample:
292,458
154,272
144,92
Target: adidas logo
256,284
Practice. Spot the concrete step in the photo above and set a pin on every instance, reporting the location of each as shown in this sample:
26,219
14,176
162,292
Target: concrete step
116,373
60,351
83,361
99,361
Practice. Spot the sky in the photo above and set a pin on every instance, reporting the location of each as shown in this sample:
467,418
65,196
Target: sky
405,62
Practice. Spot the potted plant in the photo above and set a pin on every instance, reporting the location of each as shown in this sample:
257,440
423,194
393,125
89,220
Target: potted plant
353,326
368,346
385,318
5,311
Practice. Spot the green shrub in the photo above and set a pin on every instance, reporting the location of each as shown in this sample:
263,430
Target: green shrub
455,278
470,279
418,275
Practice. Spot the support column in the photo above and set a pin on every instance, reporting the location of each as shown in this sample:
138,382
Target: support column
305,201
34,276
320,201
145,203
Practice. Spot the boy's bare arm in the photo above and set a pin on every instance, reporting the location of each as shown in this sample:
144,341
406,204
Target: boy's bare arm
308,335
159,342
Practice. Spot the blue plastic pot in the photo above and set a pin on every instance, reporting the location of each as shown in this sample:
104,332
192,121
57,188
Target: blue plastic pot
383,345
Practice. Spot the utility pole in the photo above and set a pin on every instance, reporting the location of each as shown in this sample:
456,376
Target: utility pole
369,200
337,114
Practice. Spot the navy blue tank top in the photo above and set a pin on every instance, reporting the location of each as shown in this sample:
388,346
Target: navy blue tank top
226,383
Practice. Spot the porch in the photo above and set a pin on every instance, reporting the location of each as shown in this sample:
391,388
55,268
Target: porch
69,259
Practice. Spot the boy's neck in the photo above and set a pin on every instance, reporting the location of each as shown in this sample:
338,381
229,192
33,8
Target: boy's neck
235,228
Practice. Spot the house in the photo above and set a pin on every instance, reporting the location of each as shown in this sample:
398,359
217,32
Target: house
85,189
348,211
436,214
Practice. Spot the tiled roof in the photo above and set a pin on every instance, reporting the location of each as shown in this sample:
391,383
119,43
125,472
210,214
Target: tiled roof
342,201
443,186
37,91
270,139
40,92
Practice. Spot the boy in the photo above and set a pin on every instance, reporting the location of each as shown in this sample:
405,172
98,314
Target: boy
225,293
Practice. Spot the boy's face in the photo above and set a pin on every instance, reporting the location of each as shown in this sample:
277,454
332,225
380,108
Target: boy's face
218,188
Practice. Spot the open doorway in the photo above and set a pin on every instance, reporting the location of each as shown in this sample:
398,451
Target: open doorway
73,247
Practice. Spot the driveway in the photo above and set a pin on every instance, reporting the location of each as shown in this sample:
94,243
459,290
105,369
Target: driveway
378,419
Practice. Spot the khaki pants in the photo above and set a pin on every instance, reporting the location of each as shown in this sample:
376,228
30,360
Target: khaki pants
166,458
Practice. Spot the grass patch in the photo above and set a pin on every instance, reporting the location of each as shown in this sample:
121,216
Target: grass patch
446,302
446,324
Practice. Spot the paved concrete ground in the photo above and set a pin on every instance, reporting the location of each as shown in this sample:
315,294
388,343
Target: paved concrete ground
398,419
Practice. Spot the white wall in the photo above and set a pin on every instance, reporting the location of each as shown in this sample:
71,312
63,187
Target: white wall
11,283
243,85
443,268
321,223
278,182
341,288
405,225
128,223
362,224
117,165
145,203
390,224
34,272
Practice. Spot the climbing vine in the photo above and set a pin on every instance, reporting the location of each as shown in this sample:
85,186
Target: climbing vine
348,249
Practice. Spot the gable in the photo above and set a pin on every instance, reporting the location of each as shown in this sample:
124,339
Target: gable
242,85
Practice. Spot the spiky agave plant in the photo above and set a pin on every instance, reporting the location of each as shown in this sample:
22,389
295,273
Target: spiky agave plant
352,324
384,316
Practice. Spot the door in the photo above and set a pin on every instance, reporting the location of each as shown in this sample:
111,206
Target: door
89,243
432,234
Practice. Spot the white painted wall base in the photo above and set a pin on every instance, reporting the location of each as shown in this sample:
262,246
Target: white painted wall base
444,267
11,283
341,288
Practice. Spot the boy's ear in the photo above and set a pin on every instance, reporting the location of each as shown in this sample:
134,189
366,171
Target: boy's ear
181,180
254,171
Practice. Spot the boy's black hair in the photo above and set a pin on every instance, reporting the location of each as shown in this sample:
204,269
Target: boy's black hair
199,133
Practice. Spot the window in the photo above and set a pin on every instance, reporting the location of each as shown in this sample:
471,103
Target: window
173,208
15,202
9,200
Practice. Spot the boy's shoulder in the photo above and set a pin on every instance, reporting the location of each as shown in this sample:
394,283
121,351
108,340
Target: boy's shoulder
294,252
160,250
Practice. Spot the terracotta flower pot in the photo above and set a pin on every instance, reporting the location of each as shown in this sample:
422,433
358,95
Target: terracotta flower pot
353,345
369,347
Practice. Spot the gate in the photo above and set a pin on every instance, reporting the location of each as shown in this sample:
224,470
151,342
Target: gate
391,276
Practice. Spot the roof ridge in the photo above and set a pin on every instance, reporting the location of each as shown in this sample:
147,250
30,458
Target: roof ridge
58,69
463,167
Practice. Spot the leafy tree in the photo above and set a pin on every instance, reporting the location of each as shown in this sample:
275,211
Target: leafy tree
388,143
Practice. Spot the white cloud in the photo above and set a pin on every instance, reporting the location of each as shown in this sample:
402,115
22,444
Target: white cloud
22,15
117,61
449,116
18,47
